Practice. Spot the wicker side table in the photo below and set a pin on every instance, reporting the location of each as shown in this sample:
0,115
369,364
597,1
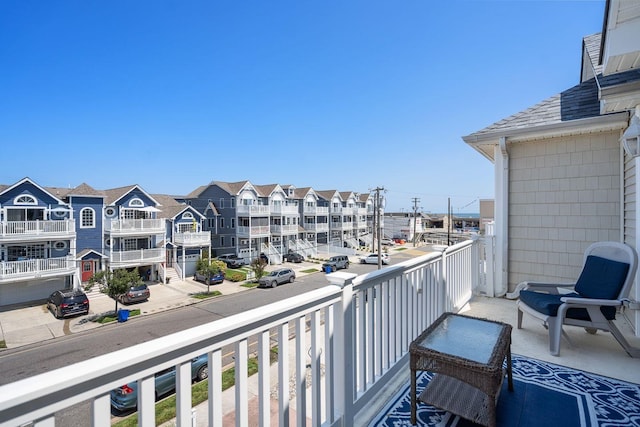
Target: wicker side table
467,356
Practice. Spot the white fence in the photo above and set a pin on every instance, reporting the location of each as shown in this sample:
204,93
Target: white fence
349,341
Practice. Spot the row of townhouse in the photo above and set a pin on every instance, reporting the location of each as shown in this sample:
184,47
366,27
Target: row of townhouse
57,238
273,219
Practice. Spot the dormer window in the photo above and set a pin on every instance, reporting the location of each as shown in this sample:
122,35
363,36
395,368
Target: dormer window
25,199
136,203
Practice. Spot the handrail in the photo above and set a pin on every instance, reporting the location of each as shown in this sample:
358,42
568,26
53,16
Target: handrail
358,331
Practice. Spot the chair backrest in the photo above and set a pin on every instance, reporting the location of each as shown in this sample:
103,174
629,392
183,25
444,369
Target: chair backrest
596,270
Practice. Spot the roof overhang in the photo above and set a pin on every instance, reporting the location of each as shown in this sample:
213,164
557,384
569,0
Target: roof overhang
620,97
485,143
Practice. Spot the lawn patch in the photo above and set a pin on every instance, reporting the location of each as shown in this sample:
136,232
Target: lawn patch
112,317
205,295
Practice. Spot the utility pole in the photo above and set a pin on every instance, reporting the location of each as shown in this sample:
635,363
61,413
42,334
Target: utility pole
415,211
449,221
376,218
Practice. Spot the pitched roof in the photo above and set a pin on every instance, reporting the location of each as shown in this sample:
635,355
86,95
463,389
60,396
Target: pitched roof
169,207
579,102
231,187
197,192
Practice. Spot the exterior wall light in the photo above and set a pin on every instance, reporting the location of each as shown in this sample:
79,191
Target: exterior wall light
631,137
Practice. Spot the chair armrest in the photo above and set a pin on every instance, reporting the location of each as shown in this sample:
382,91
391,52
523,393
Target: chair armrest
551,288
548,285
591,301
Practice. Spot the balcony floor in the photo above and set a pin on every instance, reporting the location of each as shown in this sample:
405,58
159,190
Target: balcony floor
600,354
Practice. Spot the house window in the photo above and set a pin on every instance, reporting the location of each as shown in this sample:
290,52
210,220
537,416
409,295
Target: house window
185,227
233,223
221,222
60,245
130,244
25,199
221,203
222,241
233,202
187,215
87,218
107,243
233,241
136,203
110,211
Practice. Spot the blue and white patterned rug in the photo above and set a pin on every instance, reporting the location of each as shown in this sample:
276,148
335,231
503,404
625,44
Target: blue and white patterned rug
544,395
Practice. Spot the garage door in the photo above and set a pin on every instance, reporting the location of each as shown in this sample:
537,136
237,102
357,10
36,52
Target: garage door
21,292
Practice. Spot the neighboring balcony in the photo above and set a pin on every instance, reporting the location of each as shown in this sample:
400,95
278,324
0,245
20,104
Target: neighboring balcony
23,231
134,227
253,210
36,268
192,239
284,229
317,227
342,226
284,210
119,259
315,210
253,231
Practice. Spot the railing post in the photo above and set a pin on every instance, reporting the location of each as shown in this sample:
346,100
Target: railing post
344,351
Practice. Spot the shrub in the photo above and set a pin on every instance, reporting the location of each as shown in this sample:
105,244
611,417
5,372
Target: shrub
236,276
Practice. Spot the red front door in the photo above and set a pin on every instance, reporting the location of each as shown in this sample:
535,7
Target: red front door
88,268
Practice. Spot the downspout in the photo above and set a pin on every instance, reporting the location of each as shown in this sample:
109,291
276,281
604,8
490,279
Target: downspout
501,214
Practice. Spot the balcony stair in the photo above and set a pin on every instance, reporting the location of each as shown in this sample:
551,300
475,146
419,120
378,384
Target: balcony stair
172,275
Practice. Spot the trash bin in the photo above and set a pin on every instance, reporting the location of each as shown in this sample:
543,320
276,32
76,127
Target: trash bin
123,315
327,269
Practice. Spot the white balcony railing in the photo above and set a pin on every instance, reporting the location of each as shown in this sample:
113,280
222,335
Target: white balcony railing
359,331
284,210
119,227
315,210
318,227
36,268
284,229
25,230
257,210
198,238
253,231
136,256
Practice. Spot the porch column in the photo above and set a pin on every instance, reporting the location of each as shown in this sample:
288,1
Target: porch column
501,278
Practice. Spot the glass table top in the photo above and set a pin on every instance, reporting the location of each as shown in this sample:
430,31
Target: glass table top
472,339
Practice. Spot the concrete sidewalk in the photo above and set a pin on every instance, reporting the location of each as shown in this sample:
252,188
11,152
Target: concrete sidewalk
25,325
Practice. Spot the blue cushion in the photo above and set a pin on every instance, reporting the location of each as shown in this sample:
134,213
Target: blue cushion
601,278
548,304
543,303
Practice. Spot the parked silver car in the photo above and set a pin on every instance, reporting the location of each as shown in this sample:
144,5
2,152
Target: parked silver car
276,277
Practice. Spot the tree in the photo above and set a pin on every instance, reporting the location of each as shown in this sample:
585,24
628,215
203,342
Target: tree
208,268
258,266
115,283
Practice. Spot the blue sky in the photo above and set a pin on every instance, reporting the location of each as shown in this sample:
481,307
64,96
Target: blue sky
346,95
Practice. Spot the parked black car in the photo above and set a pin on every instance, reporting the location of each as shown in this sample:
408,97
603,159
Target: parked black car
135,294
293,257
68,302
